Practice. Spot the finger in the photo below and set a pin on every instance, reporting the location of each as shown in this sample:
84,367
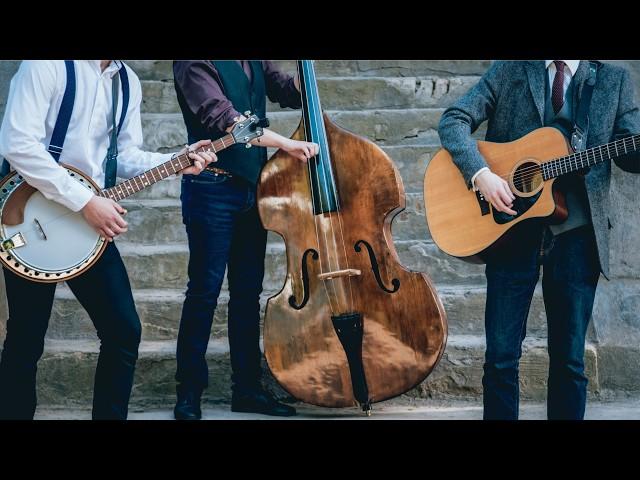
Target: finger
115,228
119,208
499,204
507,189
108,232
120,222
207,158
505,197
200,158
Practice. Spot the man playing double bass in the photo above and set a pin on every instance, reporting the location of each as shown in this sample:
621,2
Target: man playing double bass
223,226
516,97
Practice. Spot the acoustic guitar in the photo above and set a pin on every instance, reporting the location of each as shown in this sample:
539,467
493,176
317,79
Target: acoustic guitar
465,225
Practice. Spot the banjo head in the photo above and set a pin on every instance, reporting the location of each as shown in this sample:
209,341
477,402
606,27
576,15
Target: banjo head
58,243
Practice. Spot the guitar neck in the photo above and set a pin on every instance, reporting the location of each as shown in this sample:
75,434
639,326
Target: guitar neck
592,156
162,171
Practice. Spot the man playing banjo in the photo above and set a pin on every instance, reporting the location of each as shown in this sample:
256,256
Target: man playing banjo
37,98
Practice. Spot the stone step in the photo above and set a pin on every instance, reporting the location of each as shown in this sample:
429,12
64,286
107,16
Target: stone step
411,161
345,93
162,69
165,266
166,132
160,310
65,373
159,221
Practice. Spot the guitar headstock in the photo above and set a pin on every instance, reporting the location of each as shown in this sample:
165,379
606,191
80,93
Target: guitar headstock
249,129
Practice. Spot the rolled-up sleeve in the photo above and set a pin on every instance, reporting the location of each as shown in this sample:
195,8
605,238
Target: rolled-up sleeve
199,82
280,86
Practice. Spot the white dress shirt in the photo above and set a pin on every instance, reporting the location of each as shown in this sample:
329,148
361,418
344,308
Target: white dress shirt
35,96
570,69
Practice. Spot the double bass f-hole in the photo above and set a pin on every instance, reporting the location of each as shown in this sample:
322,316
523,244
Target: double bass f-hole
305,281
374,266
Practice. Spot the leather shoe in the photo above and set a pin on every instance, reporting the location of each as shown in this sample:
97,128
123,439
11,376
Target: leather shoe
260,401
188,404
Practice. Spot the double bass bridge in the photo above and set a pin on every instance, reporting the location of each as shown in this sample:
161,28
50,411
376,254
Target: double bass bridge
347,272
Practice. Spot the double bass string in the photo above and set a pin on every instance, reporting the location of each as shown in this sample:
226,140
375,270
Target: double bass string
324,152
303,76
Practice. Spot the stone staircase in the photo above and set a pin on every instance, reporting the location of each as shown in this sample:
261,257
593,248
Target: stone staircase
397,104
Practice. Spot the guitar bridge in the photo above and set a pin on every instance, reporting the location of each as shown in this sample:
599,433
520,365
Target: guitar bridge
16,241
484,205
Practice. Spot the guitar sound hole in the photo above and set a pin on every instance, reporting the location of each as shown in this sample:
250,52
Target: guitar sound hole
527,178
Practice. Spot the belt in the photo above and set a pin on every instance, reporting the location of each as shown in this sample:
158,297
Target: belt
218,171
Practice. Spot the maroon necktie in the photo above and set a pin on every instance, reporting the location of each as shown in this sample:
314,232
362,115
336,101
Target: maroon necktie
557,94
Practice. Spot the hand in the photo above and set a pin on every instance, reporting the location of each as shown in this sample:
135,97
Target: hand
105,216
200,160
301,150
496,190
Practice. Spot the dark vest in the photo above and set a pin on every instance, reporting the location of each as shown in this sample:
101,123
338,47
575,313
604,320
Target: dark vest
244,95
571,185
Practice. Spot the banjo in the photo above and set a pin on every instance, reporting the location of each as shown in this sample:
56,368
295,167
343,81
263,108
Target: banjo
44,241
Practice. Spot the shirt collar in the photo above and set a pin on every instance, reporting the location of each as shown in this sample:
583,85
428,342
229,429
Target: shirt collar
111,70
572,64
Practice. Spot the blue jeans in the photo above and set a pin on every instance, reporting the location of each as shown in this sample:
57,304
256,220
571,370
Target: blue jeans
571,271
224,230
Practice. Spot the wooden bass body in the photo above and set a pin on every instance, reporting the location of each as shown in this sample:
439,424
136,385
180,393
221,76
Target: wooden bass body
404,323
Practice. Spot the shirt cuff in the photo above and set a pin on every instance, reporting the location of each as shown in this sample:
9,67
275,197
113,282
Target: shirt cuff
473,179
78,198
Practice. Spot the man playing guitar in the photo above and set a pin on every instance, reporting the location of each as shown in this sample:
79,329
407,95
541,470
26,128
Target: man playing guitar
517,97
36,96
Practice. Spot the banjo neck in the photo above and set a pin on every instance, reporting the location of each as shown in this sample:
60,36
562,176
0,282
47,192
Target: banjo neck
162,171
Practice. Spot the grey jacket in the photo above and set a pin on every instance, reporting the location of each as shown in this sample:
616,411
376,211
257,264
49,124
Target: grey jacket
510,96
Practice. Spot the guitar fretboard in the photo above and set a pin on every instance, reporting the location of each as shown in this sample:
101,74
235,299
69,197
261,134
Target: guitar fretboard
592,156
162,171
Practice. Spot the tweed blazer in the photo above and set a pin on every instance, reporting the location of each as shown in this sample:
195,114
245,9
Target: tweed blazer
510,97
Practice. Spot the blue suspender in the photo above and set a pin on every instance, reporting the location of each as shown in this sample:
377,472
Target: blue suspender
66,109
64,115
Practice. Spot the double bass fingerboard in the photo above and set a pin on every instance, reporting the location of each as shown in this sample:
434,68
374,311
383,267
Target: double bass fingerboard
321,178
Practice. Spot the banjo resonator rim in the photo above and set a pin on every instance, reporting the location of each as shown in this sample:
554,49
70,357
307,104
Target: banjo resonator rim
7,256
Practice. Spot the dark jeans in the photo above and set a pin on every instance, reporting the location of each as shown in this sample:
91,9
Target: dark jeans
105,293
571,271
224,229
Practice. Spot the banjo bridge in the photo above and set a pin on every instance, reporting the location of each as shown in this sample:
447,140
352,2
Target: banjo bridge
15,241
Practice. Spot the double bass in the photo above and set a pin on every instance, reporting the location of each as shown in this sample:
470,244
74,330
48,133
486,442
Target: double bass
351,326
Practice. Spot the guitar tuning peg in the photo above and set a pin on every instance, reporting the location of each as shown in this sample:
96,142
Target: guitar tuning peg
247,113
247,145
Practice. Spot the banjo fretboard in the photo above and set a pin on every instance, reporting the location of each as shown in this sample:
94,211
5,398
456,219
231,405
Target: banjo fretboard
162,171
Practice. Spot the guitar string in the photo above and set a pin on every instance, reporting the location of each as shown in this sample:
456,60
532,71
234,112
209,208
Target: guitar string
320,122
575,157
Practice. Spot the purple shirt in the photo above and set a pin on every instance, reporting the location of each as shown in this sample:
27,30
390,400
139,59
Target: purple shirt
201,87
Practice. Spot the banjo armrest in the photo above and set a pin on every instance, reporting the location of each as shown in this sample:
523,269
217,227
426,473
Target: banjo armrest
13,211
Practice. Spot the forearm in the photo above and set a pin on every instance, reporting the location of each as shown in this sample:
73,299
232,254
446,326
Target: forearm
269,139
455,133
